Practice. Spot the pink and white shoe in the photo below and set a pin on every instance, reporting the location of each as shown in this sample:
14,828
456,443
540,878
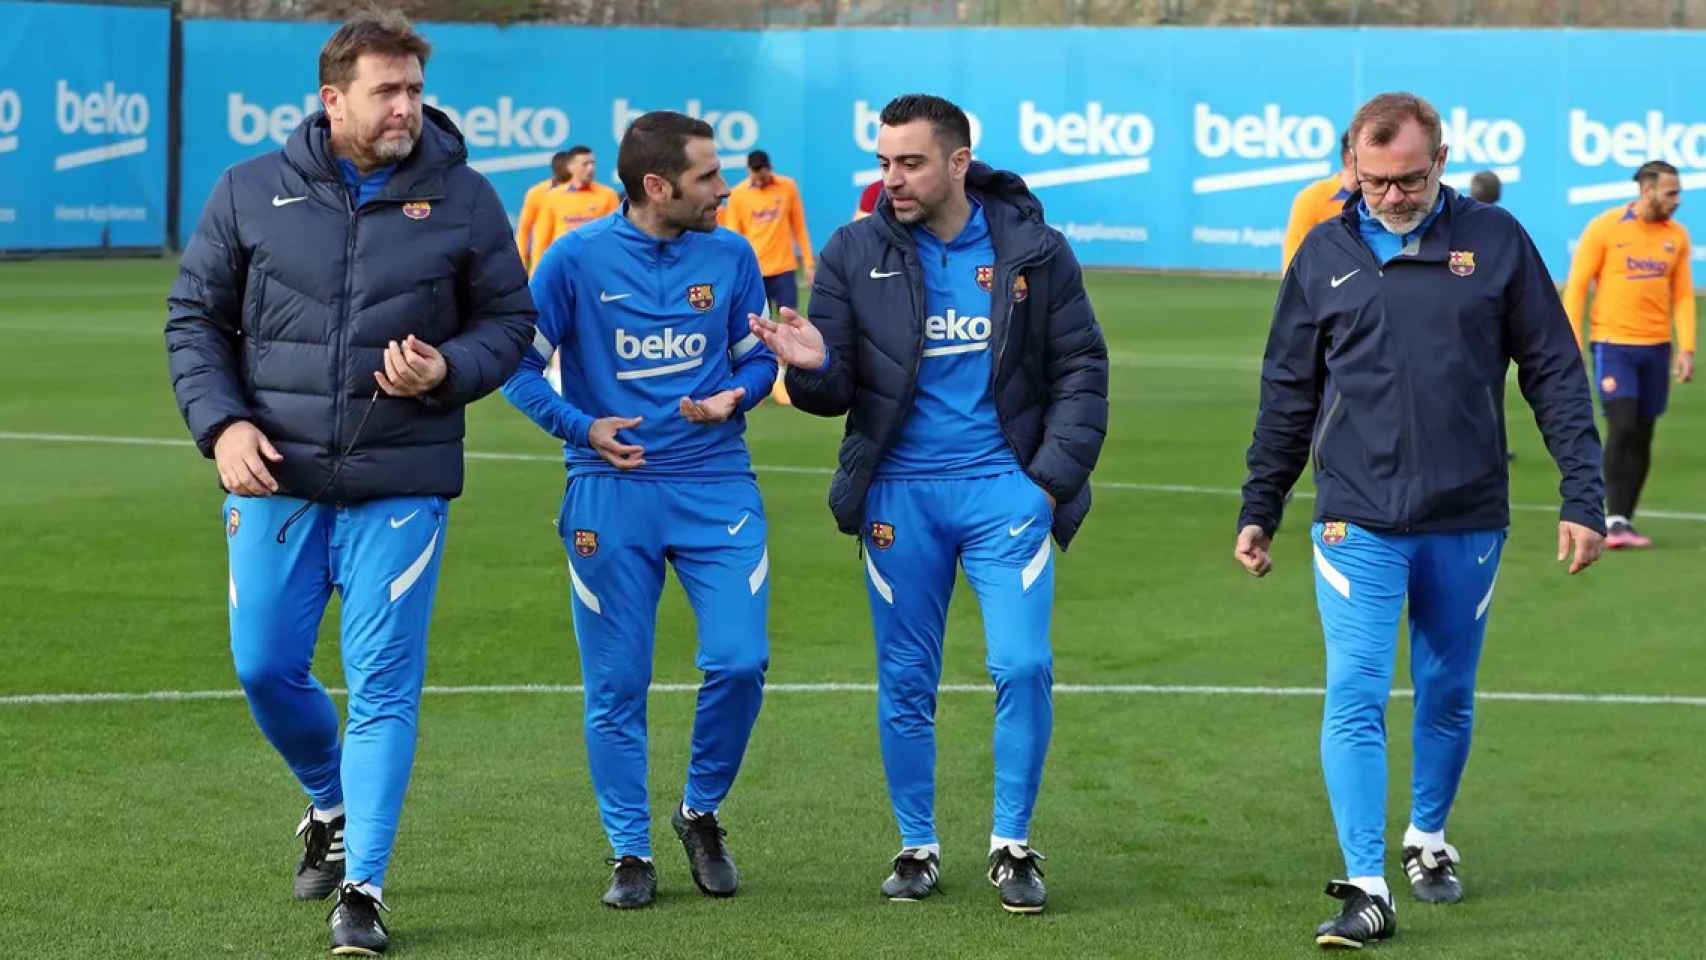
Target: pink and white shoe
1623,536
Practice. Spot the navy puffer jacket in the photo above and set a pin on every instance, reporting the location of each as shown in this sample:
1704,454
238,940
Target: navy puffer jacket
286,298
1050,361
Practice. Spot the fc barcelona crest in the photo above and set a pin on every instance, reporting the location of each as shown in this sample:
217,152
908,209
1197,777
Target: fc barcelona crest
417,210
1333,532
701,297
986,278
882,534
1462,262
1021,289
586,542
233,520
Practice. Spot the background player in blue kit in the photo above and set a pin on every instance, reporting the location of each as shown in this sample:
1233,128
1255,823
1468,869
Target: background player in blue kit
326,330
649,307
953,330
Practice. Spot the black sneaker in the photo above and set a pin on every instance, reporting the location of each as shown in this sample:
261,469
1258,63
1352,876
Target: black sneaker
633,884
1363,920
357,930
1433,874
321,868
713,869
915,875
1017,872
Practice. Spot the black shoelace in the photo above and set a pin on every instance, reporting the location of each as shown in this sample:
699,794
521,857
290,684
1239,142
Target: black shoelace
362,909
908,867
628,868
1022,867
316,845
708,833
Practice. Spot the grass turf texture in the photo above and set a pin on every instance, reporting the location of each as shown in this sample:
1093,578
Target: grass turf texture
1176,824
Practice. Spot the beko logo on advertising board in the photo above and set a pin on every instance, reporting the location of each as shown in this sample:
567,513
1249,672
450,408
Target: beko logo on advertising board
107,111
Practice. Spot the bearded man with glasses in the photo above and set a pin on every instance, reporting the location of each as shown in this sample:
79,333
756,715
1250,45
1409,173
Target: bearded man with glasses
1390,341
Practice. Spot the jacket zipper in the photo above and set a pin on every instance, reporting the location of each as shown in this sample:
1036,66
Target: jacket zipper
1006,285
1498,435
342,340
1327,425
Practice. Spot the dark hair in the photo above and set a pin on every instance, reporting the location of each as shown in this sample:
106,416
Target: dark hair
384,32
1485,187
576,151
1345,144
1379,120
758,160
1650,172
947,121
656,143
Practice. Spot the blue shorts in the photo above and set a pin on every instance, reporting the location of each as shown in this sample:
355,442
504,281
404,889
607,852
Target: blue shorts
782,290
1629,372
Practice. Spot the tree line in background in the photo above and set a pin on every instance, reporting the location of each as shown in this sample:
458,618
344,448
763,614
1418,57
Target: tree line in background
854,13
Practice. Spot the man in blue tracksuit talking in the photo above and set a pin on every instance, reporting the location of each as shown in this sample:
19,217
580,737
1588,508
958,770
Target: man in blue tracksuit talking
649,308
1394,328
340,304
953,330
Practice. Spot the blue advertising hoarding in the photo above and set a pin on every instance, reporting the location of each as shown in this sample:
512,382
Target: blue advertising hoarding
1175,148
83,151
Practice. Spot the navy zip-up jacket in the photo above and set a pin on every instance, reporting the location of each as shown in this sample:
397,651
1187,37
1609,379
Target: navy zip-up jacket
288,293
1396,373
1050,363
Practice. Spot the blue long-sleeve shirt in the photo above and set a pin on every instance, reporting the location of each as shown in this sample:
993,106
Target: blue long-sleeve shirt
641,323
952,431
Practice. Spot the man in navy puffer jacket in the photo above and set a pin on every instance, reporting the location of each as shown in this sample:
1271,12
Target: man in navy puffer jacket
341,302
953,331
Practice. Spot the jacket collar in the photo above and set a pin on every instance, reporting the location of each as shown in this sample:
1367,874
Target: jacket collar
1014,214
420,175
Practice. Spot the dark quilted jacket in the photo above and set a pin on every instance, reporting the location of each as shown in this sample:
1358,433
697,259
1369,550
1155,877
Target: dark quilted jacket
1051,363
283,306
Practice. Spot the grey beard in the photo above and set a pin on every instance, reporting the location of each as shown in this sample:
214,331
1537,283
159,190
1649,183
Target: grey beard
391,151
1411,221
1404,226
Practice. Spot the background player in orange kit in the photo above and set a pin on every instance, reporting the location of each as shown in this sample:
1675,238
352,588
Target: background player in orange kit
1636,258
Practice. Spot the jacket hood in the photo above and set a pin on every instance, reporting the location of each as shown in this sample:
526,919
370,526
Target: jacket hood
440,148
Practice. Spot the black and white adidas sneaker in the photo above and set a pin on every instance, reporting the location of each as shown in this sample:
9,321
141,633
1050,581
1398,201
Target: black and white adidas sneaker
915,875
1433,874
357,930
321,868
1364,919
1017,872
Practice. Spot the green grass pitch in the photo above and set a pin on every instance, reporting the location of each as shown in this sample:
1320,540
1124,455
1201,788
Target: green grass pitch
1176,824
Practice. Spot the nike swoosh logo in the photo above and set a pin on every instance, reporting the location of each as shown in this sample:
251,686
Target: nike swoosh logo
1339,280
279,201
1488,555
612,297
1021,528
395,523
883,276
736,528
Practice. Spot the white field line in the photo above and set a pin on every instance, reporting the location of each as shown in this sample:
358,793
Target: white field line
1065,689
1179,488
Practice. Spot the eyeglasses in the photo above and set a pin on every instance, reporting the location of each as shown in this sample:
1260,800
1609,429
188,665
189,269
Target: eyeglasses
1408,184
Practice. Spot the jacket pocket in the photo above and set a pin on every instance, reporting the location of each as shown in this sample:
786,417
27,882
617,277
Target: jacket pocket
439,309
1498,434
847,487
255,315
1327,426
